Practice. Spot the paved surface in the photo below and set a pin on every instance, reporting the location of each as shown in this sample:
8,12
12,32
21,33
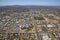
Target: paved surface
38,36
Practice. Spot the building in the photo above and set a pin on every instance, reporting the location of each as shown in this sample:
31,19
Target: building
24,25
51,26
45,37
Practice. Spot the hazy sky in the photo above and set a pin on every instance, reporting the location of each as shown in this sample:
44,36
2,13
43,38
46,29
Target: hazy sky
30,2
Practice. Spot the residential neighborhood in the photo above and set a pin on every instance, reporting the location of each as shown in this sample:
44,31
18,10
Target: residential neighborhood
22,23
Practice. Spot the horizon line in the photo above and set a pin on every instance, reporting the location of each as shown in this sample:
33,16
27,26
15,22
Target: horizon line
29,5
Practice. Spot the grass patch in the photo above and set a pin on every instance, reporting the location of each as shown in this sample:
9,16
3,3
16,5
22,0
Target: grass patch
39,18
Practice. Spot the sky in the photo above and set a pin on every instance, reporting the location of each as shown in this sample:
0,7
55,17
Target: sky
30,2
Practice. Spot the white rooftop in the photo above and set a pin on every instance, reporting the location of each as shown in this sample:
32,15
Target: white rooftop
46,38
51,25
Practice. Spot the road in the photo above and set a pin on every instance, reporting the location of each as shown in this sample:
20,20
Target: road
38,36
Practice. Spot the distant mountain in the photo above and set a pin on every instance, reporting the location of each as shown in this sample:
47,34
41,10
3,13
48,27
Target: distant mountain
29,6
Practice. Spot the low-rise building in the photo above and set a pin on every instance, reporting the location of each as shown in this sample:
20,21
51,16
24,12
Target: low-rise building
51,26
45,37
